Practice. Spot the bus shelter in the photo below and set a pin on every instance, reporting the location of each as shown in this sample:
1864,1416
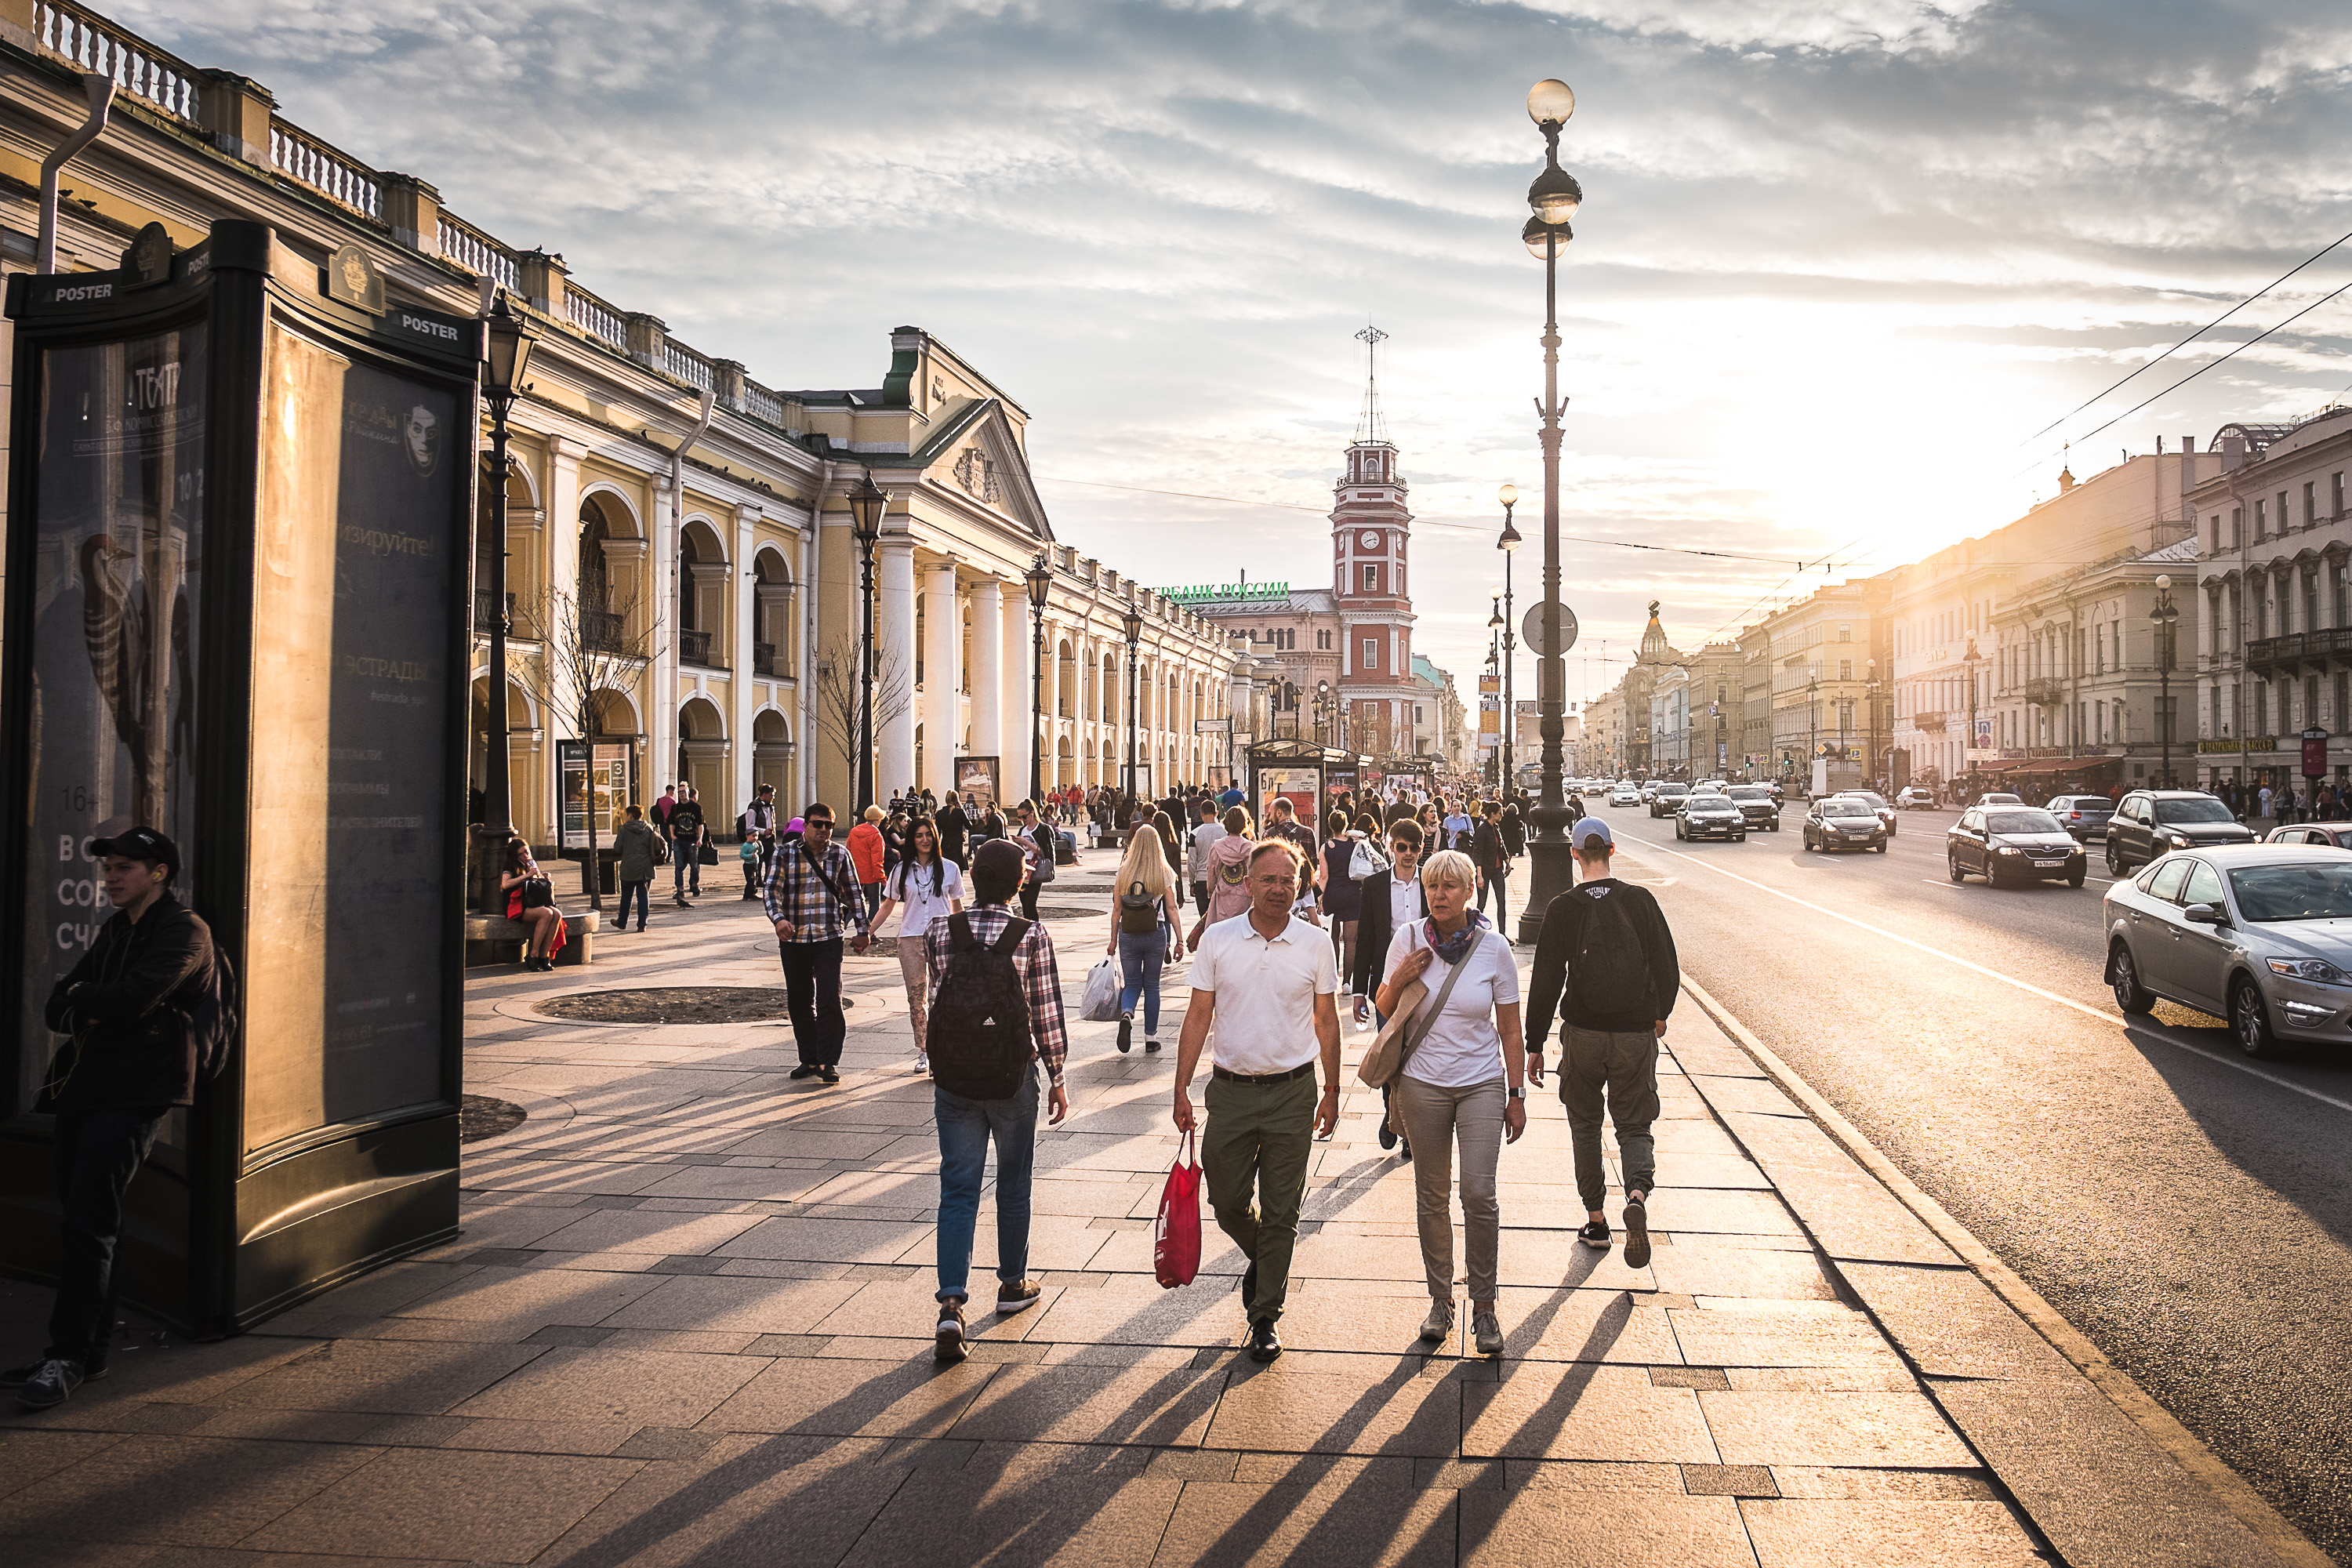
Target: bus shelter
1301,771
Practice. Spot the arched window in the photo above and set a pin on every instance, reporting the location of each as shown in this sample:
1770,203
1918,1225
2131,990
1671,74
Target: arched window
600,628
1065,679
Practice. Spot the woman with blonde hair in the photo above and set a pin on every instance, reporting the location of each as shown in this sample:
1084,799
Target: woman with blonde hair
1463,1080
1145,923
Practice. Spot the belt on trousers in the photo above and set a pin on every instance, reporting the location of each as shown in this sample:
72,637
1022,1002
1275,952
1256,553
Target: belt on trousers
1297,1072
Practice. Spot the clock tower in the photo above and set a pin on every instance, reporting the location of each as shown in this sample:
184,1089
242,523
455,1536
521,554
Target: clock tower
1371,540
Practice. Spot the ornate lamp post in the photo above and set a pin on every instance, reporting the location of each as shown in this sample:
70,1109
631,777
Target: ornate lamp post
1870,721
865,507
1132,624
1323,712
1041,585
1813,729
505,352
1554,198
1509,545
2163,618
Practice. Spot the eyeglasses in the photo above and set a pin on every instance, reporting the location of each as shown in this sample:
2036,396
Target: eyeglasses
815,823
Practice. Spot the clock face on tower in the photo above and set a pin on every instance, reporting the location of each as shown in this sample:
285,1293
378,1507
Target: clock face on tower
1369,540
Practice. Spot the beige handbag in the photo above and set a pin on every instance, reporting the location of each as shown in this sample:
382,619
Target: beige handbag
1394,1045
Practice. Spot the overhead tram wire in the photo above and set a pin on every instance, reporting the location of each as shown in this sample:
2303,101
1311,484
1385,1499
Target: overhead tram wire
2187,340
1425,523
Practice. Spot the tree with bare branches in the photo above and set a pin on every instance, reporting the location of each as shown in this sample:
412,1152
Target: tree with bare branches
840,691
592,642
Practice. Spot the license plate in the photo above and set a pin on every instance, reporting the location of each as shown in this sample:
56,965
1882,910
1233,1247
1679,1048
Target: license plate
2050,863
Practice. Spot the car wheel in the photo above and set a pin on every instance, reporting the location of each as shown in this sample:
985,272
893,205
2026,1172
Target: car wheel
1739,838
2075,878
1952,864
2124,976
1881,846
1776,827
2250,1021
1809,843
2115,860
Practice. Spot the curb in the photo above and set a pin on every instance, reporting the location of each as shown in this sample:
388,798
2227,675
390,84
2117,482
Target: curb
2229,1489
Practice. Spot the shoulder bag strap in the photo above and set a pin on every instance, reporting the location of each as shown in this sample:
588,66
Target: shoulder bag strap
1010,938
1424,1021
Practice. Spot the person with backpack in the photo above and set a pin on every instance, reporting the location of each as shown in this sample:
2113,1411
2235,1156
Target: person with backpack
1205,831
1269,984
1494,863
930,886
634,841
996,1016
135,1008
1145,910
812,900
1605,964
758,828
1227,864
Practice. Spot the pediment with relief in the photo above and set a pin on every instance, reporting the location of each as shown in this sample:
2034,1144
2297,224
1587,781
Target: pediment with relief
981,458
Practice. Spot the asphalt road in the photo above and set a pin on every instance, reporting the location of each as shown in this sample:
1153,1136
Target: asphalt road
2188,1210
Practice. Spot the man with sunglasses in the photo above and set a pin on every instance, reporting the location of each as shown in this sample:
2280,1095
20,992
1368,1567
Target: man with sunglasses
813,899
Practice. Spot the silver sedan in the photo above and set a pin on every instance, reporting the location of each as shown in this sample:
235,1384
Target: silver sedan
2258,934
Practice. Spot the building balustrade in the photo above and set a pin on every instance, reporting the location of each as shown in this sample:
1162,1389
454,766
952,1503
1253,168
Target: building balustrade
601,631
2300,647
2046,691
485,610
1930,723
693,648
763,658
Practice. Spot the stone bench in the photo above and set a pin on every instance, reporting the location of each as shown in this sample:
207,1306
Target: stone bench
494,939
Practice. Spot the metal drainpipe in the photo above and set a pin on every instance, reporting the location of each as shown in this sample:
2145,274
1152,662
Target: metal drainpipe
100,89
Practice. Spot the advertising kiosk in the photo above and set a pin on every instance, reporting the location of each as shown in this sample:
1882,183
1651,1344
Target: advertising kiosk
237,611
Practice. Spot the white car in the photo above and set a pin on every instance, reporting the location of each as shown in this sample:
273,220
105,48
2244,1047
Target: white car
1912,796
1624,795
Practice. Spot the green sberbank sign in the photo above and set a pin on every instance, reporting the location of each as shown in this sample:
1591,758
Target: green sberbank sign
1226,592
2251,743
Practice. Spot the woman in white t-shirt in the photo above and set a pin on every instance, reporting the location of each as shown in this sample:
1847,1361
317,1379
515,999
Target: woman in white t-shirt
1463,1080
931,887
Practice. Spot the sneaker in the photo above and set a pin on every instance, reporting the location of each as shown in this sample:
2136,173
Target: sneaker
1637,1233
922,1064
1263,1344
1439,1323
1017,1296
49,1385
1125,1032
1595,1234
1150,1044
804,1070
641,928
1487,1332
948,1342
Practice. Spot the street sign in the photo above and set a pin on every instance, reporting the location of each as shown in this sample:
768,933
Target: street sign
1212,726
1531,630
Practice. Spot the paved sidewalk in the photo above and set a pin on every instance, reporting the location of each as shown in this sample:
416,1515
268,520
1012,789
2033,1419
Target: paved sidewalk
689,1321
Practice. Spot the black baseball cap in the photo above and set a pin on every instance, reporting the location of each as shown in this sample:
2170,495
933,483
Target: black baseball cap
138,844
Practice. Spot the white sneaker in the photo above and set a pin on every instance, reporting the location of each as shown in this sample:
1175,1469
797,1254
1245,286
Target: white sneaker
922,1064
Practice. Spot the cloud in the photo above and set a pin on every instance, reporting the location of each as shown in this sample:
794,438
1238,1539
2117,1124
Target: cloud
1836,260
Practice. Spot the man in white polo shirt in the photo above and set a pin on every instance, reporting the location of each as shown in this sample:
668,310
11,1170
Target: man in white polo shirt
1269,983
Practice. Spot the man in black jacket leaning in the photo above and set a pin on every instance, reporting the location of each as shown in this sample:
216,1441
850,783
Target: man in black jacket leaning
1605,964
130,1059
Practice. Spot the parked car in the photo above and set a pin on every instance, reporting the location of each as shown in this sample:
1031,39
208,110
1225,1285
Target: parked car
2330,834
1624,795
1878,803
1711,815
1836,822
2258,934
1758,805
1667,799
2005,843
2151,823
2085,815
1999,798
1911,797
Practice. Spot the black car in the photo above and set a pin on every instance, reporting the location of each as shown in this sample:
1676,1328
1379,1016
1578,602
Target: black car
1711,815
2150,822
1667,799
1758,805
2014,843
1840,822
2084,815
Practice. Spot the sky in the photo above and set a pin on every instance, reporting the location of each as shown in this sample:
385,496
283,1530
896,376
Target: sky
1839,265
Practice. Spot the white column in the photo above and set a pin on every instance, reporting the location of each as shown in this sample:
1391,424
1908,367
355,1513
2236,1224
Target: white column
557,548
990,736
894,741
807,732
1017,699
743,626
658,595
942,674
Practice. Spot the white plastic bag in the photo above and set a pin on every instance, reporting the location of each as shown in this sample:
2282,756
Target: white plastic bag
1101,1004
1365,861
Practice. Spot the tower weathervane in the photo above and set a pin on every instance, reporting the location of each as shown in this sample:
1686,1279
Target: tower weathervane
1369,425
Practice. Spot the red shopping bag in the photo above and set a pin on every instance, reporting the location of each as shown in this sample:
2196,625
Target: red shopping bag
1176,1239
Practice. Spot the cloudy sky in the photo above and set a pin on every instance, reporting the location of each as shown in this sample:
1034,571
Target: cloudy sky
1838,262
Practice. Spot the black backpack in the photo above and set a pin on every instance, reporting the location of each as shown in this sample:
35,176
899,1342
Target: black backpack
1609,974
978,1035
1138,912
215,1020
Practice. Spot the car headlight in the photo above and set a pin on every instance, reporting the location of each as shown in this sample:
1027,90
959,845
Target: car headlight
2177,840
2009,849
2315,968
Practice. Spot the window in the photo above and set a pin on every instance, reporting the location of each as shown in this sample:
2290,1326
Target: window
1845,634
2310,503
2261,519
1845,669
2336,484
2282,513
1371,577
1418,717
2237,527
1372,653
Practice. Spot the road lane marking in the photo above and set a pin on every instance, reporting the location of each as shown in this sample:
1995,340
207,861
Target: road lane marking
2153,1031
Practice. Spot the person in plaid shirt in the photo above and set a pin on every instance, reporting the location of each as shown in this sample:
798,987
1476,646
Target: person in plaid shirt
812,898
967,1125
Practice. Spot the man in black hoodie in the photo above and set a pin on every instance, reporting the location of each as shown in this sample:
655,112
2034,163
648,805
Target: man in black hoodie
131,1057
1605,964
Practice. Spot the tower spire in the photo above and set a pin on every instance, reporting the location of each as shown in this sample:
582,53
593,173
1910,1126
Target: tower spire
1369,425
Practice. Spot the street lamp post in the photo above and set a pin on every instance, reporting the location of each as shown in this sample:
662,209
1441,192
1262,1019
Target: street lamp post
1509,545
1323,712
1870,718
1132,624
506,350
1041,585
1813,729
1553,198
866,503
2163,619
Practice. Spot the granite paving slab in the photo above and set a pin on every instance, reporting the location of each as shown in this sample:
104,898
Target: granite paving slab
426,1502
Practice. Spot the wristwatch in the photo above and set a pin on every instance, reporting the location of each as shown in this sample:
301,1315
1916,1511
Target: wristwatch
1520,1092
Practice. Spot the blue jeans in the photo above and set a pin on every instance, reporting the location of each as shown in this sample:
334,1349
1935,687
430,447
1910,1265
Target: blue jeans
685,868
965,1128
631,890
1140,958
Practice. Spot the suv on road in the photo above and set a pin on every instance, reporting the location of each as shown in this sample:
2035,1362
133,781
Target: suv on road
2149,823
2085,815
1913,796
1667,799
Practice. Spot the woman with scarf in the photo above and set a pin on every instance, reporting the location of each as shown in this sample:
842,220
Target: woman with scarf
1462,1082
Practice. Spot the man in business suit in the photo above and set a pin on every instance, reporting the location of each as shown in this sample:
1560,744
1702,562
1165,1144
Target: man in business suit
1390,899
